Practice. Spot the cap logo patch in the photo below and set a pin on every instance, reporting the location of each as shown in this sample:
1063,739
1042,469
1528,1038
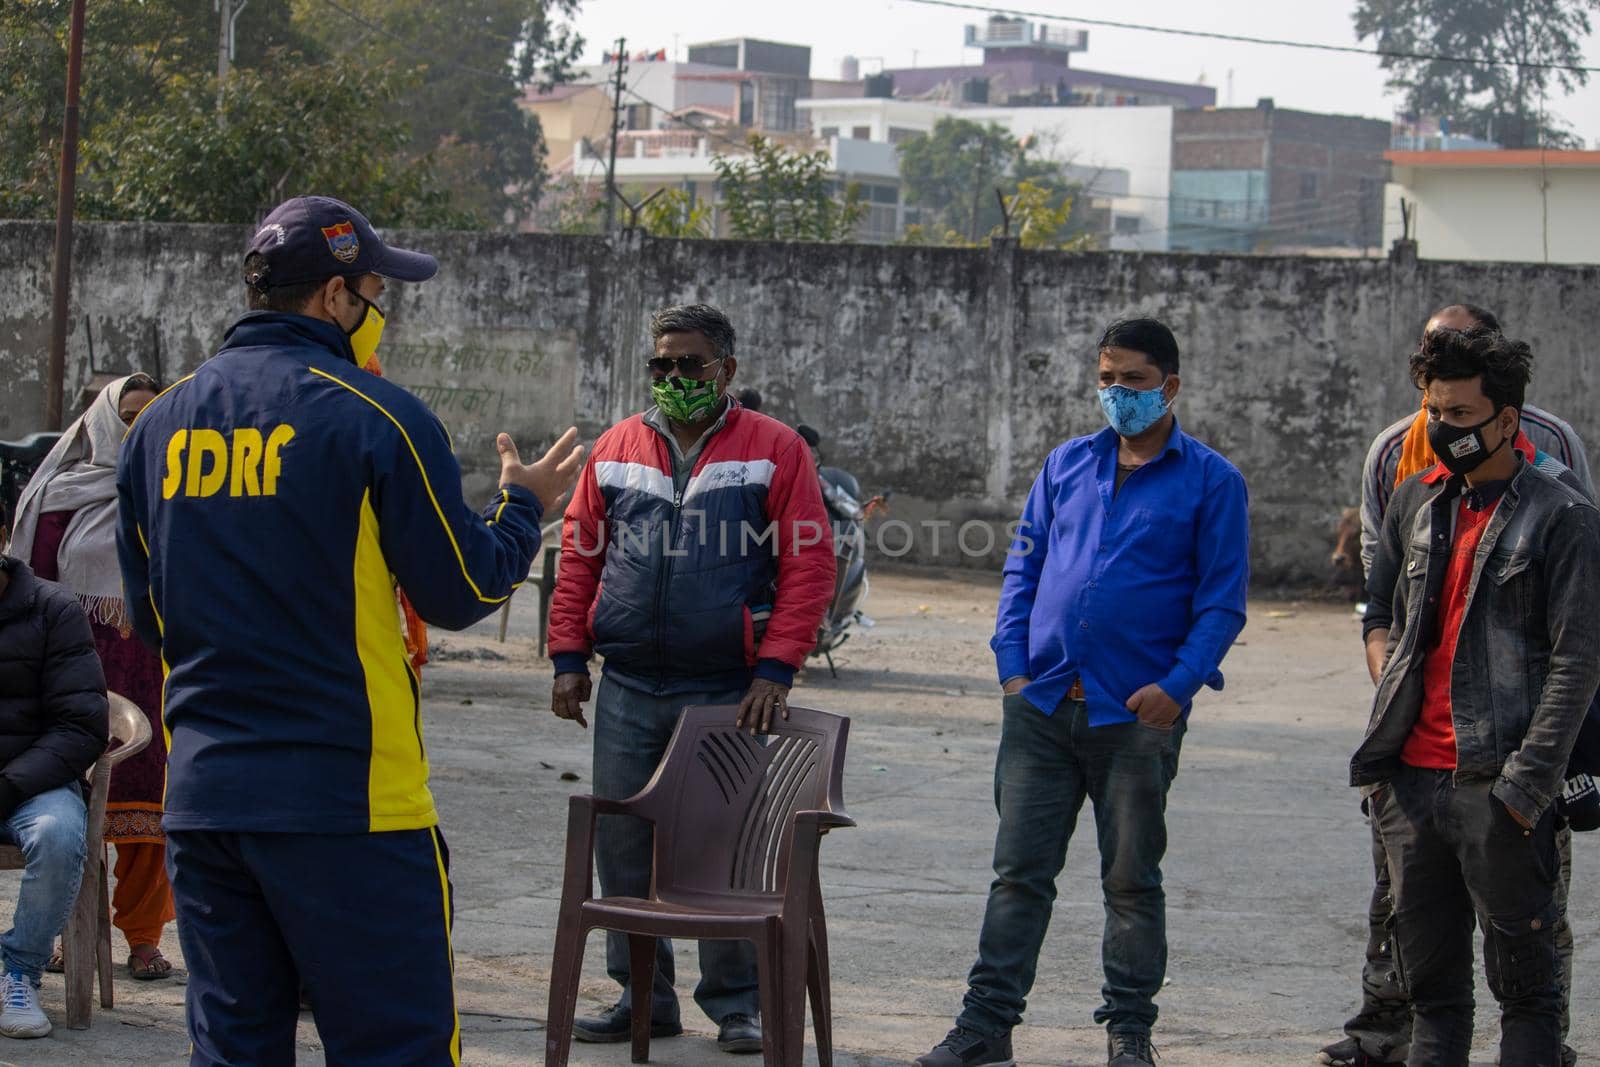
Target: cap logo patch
342,241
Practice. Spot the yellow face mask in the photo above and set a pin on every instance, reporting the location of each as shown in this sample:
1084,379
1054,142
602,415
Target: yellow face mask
364,339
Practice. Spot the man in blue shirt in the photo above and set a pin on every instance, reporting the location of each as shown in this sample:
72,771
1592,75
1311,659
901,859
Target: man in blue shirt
1124,589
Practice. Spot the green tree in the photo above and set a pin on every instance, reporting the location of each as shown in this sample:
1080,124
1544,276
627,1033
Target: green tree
1500,103
673,213
196,161
953,172
774,194
472,60
420,117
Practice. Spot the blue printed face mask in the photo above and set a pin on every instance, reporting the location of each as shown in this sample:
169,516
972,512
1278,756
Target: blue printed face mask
1133,411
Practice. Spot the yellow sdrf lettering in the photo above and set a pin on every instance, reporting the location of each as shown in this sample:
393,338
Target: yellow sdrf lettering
246,463
174,477
274,464
201,461
203,444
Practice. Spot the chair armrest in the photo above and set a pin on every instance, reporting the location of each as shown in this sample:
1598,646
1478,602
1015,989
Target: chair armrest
578,879
824,820
809,827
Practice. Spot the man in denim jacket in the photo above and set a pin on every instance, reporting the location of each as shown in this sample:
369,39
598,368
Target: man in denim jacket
1491,661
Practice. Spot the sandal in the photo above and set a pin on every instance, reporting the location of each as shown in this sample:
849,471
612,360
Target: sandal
147,964
57,964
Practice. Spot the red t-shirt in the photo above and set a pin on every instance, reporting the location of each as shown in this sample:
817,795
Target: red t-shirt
1432,744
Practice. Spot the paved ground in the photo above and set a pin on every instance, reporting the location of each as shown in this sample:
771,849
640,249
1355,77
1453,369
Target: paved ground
1267,872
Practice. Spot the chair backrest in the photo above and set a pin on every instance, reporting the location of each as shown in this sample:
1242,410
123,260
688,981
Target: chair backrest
724,800
128,725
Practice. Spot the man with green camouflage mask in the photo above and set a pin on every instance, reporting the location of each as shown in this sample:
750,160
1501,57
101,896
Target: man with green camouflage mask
697,559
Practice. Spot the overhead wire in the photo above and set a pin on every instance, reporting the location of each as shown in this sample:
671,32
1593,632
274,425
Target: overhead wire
1239,38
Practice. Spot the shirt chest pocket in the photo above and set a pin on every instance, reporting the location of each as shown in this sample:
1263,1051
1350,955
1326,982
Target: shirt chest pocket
1161,528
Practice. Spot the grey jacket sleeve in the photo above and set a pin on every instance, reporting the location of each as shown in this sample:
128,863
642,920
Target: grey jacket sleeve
1531,777
1374,496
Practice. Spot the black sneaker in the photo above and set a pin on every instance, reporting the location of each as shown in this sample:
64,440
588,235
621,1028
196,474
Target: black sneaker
1346,1052
968,1048
1126,1048
616,1024
739,1033
1569,1056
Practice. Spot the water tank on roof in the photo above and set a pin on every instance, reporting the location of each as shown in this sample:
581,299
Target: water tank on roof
880,85
975,91
850,69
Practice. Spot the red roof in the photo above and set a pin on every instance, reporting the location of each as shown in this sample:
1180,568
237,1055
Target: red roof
1500,157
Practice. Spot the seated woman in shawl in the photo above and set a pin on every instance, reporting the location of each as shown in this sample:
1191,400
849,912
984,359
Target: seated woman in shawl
66,530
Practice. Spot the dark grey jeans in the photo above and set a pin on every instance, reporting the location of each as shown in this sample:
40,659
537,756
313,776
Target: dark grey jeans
1456,856
631,731
1047,766
1382,1027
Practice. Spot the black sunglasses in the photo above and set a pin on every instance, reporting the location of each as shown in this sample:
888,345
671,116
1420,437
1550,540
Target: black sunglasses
686,366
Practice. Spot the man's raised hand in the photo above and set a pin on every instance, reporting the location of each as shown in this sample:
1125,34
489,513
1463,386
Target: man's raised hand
549,478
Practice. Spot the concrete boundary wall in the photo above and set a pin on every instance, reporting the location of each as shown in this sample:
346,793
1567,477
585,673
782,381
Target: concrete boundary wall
945,375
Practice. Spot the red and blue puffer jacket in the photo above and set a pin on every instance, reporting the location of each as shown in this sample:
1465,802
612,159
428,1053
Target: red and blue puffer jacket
698,590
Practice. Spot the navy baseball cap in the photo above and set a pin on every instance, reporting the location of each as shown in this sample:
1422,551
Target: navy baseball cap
312,238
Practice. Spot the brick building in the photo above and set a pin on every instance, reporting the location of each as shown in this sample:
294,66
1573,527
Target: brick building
1266,179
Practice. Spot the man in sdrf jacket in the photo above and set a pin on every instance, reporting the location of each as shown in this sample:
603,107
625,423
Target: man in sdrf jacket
269,502
1491,660
698,561
52,729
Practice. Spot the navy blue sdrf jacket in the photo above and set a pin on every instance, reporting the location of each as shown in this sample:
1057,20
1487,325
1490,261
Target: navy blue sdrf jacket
269,504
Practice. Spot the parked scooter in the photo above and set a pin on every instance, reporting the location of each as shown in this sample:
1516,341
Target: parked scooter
18,461
848,514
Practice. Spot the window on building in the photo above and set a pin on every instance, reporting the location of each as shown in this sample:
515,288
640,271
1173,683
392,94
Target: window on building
1125,224
638,117
861,133
829,132
1308,186
899,134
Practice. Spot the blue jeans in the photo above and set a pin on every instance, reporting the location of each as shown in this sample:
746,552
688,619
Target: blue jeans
631,731
49,829
1047,766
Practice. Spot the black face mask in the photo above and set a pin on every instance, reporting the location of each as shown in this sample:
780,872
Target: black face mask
1462,449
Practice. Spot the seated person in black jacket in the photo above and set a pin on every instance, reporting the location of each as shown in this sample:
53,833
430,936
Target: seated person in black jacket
52,729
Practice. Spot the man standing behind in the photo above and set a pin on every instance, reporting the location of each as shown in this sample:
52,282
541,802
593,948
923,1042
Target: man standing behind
269,503
1380,1031
1489,666
698,560
1124,589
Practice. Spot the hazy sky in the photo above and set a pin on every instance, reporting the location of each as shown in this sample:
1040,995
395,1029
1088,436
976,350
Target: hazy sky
905,34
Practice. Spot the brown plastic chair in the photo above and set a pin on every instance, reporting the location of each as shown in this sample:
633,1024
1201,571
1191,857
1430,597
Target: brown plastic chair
86,943
737,825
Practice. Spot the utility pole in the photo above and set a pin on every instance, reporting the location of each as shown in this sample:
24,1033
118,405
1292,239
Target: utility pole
616,125
66,201
224,40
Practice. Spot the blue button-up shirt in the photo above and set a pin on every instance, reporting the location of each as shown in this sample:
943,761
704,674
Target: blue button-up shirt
1126,588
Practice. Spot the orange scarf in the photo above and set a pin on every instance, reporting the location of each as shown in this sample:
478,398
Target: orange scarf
416,631
1417,455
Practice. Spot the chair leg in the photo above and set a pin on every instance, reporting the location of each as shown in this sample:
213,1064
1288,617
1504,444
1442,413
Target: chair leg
795,955
768,979
641,981
817,984
102,948
78,946
566,968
